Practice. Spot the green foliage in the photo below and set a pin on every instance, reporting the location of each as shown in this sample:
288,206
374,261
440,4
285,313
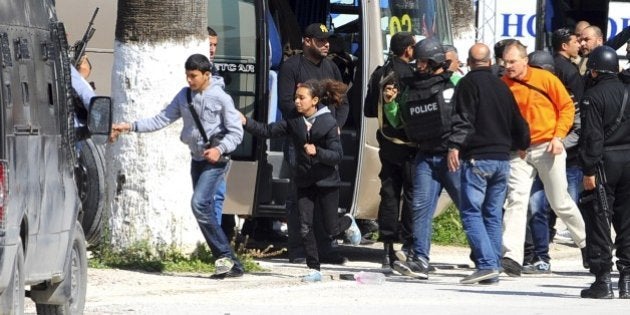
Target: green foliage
448,230
147,257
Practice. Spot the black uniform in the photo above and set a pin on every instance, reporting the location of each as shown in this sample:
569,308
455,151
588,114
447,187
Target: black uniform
600,108
396,159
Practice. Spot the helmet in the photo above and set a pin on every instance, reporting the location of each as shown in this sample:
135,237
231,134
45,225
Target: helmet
430,49
541,59
603,59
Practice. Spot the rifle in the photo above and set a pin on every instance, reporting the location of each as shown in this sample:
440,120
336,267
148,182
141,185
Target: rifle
79,47
598,197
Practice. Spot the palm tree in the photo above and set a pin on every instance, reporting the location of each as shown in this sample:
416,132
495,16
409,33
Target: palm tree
150,185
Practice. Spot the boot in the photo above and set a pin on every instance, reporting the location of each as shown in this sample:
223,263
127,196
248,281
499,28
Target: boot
624,284
600,289
388,252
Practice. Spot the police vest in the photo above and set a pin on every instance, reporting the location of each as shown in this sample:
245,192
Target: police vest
426,113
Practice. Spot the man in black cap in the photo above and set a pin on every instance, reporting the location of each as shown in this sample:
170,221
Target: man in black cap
311,64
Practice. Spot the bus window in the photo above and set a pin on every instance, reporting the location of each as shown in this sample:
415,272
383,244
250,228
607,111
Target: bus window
235,59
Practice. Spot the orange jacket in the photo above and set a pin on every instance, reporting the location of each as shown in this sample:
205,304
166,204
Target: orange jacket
546,119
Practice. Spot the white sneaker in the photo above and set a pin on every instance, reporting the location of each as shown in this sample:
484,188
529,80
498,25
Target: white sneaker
223,265
353,233
563,236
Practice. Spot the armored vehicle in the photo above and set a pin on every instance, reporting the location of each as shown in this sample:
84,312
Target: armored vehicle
42,244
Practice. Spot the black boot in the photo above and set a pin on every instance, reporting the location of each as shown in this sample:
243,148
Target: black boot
624,284
600,289
388,252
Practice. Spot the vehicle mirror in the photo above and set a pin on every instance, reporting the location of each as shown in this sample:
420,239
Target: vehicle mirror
100,116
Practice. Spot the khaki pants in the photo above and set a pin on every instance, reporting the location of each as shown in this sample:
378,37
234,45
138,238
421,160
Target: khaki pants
552,171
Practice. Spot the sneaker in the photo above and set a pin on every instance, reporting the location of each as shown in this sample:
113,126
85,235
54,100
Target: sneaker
235,272
312,276
401,255
480,275
537,268
510,267
223,265
353,233
563,237
412,268
491,281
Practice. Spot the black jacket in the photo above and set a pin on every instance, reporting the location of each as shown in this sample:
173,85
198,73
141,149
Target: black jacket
600,108
298,69
488,122
569,74
321,169
395,153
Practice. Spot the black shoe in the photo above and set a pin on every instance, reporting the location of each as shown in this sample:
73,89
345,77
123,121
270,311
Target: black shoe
598,290
297,260
510,267
416,268
624,286
235,272
334,259
480,275
387,262
491,281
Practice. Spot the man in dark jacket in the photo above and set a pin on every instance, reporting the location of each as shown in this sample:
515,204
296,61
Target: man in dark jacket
605,150
395,153
487,125
311,64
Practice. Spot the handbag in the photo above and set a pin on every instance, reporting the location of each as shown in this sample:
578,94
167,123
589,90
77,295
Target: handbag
215,140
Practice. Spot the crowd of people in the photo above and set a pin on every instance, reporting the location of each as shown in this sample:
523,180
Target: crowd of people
514,143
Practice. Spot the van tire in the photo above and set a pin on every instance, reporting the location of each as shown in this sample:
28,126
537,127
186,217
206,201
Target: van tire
12,301
90,178
76,271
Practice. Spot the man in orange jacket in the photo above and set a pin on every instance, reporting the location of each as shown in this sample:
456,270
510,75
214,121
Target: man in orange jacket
547,106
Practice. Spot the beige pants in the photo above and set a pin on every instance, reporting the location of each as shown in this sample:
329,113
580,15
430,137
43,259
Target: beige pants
552,171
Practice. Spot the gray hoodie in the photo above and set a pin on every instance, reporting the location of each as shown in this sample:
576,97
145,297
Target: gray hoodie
217,114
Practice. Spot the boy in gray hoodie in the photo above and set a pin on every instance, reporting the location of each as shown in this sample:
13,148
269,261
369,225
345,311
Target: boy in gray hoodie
217,116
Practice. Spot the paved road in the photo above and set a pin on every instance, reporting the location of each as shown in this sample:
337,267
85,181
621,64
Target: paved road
279,291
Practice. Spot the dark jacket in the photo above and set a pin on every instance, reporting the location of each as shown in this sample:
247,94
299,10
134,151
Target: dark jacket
427,84
600,108
569,74
321,169
488,122
298,69
395,153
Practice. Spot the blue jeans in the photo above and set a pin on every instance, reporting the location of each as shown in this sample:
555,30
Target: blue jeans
431,175
219,198
484,186
206,179
539,221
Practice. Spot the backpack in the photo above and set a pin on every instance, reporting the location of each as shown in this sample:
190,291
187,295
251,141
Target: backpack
426,112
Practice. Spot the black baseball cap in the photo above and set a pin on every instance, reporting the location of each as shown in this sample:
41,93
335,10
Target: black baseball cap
317,30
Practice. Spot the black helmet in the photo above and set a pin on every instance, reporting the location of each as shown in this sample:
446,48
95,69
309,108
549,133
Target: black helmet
429,49
542,59
603,59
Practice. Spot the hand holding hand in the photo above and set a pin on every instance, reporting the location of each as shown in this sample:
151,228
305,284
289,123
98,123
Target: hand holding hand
117,129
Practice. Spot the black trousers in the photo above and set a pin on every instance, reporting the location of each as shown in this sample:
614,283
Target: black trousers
318,205
598,239
396,186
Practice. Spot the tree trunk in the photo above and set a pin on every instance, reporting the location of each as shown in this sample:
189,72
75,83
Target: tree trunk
149,174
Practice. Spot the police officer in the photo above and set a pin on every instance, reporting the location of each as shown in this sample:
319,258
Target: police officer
605,144
427,116
395,154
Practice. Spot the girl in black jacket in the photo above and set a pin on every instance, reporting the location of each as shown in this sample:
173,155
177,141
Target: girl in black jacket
315,131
